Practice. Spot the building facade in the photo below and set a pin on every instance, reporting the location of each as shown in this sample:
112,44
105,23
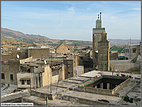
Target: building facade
39,52
9,71
63,49
132,50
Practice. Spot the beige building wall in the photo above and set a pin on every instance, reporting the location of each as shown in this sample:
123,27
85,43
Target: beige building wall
25,76
25,60
6,57
63,49
10,70
134,50
55,79
47,76
39,52
62,73
79,70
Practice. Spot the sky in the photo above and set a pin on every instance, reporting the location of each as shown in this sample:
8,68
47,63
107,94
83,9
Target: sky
73,20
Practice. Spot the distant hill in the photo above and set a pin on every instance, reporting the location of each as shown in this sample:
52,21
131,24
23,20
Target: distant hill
121,42
38,39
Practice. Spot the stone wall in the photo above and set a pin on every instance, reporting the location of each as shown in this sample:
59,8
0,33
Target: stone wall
14,97
39,52
6,57
103,53
22,76
120,86
47,76
25,60
82,100
94,90
11,67
63,49
55,79
123,65
69,68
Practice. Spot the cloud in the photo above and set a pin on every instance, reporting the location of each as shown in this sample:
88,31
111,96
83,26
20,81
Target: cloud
75,20
137,9
71,10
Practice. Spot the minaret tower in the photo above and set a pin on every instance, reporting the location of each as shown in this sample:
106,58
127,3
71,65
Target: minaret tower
98,33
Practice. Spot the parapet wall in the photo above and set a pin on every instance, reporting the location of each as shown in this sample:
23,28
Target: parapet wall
114,91
120,86
25,60
14,97
82,100
94,90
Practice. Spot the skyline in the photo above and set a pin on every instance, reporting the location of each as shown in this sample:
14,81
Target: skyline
73,19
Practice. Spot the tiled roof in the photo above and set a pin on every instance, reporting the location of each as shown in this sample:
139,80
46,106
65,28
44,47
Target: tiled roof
114,48
122,50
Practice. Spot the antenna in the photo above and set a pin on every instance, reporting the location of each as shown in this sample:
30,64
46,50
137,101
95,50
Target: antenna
100,15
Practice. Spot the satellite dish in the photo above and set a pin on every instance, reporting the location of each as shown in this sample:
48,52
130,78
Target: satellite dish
45,62
17,56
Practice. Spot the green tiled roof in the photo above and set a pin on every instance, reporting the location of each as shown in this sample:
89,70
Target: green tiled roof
114,48
119,50
122,50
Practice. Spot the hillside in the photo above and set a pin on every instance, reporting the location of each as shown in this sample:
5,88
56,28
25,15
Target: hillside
42,40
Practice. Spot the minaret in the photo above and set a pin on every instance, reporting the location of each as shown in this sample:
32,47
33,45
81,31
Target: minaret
97,37
99,22
97,32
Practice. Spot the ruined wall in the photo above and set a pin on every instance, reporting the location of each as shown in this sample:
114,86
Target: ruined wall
47,76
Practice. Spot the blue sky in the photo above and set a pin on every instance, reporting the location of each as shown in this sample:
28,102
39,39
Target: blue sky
73,20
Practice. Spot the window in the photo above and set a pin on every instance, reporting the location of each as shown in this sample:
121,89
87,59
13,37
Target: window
127,50
29,70
11,77
134,50
22,82
2,76
28,82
